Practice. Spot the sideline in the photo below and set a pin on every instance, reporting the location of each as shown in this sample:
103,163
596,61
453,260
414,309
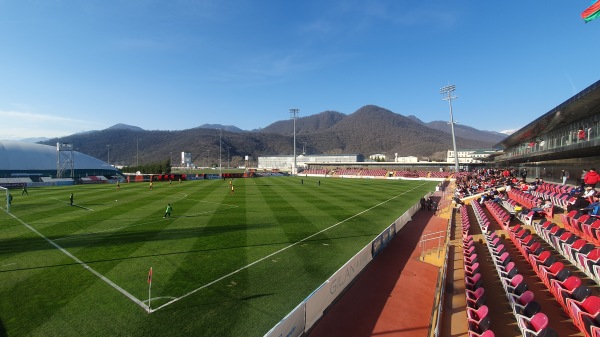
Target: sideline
281,250
84,265
175,299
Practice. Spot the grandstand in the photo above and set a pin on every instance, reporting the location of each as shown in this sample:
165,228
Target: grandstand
534,272
528,273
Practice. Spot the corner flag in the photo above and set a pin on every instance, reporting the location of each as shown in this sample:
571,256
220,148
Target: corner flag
149,290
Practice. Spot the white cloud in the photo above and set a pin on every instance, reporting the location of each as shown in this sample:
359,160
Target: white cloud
18,125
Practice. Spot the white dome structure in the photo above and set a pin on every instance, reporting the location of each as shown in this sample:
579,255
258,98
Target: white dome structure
22,158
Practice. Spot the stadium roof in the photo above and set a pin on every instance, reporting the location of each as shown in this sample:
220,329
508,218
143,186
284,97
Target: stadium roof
22,157
584,104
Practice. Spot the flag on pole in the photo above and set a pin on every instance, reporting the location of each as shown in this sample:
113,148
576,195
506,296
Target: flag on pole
591,12
150,276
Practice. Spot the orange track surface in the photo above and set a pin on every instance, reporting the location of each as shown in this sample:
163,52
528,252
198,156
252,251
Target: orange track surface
393,297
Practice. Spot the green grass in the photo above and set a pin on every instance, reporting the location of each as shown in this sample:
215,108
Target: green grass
277,239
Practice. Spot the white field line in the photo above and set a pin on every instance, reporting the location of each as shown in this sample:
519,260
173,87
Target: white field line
9,264
277,252
84,265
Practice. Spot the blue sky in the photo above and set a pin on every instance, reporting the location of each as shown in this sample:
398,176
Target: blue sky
71,66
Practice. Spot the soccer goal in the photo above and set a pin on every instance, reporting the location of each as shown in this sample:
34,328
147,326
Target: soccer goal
7,197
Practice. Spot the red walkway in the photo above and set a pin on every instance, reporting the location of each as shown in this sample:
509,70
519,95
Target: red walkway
393,297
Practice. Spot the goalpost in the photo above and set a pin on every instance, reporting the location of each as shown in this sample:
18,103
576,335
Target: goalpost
7,198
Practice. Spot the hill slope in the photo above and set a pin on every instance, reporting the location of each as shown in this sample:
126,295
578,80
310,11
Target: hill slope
371,129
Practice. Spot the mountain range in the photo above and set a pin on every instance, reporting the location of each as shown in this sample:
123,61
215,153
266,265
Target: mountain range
369,130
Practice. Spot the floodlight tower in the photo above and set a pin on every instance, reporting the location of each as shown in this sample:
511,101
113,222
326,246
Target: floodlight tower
65,160
447,91
220,145
294,116
228,166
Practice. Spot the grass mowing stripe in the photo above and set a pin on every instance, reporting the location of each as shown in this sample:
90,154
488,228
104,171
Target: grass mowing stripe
186,252
84,265
275,253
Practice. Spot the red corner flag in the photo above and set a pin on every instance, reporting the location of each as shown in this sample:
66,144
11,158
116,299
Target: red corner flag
150,276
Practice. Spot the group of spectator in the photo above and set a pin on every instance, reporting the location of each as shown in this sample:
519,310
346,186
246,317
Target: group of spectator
428,204
585,196
487,181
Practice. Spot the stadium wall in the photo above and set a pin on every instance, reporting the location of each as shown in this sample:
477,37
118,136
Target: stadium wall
302,318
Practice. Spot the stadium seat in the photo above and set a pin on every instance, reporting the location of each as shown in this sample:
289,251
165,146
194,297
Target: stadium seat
586,314
532,325
472,270
480,327
475,298
486,333
474,316
474,282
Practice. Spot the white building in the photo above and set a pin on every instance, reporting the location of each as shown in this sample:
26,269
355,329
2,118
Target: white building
470,156
285,163
377,157
186,159
409,159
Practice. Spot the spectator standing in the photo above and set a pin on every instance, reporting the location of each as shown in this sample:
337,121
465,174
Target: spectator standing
565,176
591,178
524,174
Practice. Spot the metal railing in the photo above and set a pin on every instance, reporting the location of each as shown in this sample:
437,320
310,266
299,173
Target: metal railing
440,235
440,289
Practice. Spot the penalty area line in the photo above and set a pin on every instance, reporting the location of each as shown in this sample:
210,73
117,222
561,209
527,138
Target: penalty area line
84,265
279,251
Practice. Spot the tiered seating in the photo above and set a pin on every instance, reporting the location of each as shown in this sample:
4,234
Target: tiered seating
583,225
580,252
406,174
559,194
374,173
19,180
569,290
440,174
477,311
529,201
316,171
433,174
530,320
347,172
510,205
50,179
499,213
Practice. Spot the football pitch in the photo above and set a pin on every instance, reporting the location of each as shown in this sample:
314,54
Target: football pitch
223,265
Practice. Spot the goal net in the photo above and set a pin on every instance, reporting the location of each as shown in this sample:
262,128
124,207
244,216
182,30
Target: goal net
7,197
